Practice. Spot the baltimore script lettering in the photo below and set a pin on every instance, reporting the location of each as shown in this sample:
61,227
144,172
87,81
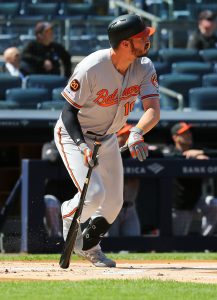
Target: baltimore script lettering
104,99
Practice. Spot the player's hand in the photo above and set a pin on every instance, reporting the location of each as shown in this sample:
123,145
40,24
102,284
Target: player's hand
138,148
194,153
87,155
48,66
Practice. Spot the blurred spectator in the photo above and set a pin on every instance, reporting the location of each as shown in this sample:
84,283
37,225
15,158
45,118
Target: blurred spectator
188,198
44,55
204,37
52,218
56,191
127,222
12,62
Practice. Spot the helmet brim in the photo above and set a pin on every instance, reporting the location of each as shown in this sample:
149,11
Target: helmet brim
148,31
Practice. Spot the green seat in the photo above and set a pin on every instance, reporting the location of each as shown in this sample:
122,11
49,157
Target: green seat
9,9
84,9
209,55
161,67
6,82
8,105
49,10
210,80
180,83
49,82
171,55
198,68
203,98
27,98
56,94
51,105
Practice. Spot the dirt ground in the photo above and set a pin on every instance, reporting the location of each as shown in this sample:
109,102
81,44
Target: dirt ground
185,271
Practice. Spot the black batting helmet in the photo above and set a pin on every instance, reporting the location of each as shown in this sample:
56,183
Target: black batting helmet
126,26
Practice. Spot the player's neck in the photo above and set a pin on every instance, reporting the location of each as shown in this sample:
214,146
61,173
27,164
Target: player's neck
119,63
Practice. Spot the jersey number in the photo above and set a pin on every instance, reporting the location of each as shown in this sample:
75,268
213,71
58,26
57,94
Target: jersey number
128,107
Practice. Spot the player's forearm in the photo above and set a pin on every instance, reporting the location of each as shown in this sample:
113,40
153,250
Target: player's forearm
149,119
71,123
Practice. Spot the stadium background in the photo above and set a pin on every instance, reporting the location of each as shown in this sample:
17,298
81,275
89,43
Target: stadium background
81,27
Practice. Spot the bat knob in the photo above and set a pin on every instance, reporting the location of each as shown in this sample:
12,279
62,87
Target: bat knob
63,264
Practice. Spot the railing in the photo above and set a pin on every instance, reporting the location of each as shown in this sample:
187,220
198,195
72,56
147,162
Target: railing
173,94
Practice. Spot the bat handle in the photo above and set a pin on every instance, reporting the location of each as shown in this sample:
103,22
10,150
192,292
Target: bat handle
97,145
123,148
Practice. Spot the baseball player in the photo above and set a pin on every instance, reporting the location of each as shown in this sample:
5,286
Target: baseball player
99,98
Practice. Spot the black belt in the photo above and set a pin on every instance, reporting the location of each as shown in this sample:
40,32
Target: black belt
93,133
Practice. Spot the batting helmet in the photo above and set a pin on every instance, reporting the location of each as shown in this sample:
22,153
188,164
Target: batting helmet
126,26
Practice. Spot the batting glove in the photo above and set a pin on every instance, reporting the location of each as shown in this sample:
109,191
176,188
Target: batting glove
136,145
87,155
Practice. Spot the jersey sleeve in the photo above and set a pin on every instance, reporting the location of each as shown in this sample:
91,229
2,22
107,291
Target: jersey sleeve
78,89
149,85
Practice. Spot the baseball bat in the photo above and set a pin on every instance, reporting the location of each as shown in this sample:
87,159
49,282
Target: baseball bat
73,230
123,148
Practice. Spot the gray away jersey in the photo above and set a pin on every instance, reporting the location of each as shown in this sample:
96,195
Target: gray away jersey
103,96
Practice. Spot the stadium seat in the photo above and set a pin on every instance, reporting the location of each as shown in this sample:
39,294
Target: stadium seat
171,55
27,98
1,65
45,81
97,25
209,80
6,82
9,9
180,83
47,10
102,42
82,45
77,26
8,105
153,55
198,68
195,8
83,9
203,98
8,40
56,94
51,105
157,8
161,67
209,55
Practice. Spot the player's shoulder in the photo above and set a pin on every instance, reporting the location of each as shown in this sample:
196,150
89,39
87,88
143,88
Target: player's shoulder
145,61
94,59
144,64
